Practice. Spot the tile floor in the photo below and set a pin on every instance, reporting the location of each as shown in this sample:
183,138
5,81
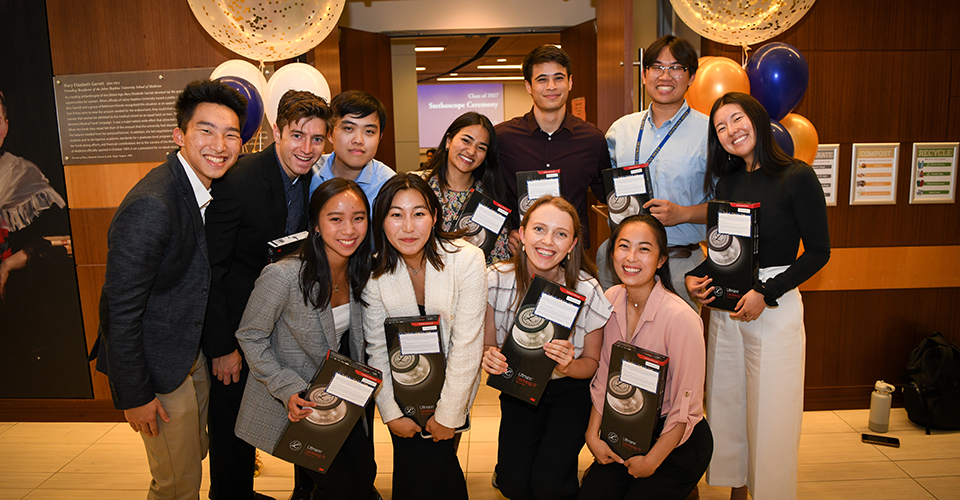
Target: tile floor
106,461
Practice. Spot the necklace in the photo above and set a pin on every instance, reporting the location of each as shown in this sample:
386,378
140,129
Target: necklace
414,271
635,304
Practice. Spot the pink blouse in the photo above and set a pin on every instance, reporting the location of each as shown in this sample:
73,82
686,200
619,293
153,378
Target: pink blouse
667,326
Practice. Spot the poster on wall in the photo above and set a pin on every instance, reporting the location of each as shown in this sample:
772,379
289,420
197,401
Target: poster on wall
439,105
825,166
933,172
44,351
873,174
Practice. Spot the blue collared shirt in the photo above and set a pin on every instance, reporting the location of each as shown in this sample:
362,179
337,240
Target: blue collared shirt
678,170
371,178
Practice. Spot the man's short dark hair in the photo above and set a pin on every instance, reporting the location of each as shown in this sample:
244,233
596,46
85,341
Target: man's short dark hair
360,104
681,49
544,54
202,91
295,105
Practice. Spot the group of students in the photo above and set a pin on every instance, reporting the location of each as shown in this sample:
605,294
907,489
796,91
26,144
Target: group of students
382,245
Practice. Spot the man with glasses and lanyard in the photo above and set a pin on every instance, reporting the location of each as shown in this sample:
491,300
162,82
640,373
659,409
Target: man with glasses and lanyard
672,138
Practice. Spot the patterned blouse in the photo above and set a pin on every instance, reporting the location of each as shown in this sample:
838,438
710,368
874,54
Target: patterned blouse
452,201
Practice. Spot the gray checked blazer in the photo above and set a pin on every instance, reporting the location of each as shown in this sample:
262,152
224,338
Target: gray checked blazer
284,341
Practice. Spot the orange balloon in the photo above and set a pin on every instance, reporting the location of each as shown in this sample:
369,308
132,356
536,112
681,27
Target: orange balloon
715,76
805,138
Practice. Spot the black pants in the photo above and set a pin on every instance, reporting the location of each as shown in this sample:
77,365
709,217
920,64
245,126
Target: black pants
424,469
673,480
352,472
231,458
539,445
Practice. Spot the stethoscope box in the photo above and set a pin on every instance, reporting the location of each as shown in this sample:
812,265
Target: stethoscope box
633,399
417,364
341,390
732,250
481,219
628,189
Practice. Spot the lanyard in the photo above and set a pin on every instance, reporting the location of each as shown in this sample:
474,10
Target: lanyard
664,141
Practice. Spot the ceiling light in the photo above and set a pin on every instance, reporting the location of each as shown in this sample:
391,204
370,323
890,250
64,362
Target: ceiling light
429,49
478,78
421,68
501,60
454,74
500,66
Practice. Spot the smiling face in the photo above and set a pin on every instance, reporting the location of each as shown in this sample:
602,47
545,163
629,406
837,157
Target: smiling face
355,141
663,88
408,224
300,144
547,239
211,141
636,256
468,148
342,225
549,86
735,132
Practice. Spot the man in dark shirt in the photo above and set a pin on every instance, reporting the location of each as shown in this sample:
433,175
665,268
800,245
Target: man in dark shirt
263,198
549,138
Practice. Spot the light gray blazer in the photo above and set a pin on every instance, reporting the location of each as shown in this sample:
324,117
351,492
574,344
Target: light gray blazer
284,342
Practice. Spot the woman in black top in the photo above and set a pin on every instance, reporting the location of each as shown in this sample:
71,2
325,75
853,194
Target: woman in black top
754,383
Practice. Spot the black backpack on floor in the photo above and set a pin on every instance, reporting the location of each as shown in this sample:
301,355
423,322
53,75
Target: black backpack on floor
932,393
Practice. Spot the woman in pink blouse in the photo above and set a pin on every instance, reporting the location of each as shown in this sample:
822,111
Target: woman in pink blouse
648,313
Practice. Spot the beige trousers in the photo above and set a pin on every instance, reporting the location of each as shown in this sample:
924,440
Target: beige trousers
175,455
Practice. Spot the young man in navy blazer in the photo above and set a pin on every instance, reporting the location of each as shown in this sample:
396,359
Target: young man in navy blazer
263,198
155,292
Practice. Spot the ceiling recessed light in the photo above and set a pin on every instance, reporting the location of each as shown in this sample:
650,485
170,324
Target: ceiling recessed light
501,60
421,68
429,49
500,66
454,74
477,78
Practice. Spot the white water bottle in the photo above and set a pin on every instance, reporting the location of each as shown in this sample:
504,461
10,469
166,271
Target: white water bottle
880,407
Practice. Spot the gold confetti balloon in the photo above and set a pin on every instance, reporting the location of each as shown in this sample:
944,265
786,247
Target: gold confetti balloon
740,22
268,30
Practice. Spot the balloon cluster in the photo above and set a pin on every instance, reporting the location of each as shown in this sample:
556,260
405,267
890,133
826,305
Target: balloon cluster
777,76
263,96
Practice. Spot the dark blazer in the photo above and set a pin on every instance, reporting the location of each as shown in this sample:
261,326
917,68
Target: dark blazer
155,292
285,341
248,210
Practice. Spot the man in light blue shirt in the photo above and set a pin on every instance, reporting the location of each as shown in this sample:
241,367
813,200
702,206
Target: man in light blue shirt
355,132
672,138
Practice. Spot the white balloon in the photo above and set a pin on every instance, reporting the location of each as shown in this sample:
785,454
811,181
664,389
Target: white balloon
294,76
739,22
242,69
268,31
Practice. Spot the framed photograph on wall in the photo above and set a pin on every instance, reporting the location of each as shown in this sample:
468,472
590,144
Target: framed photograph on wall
933,172
873,173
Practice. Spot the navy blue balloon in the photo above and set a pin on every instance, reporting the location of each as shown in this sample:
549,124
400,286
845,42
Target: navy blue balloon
782,136
254,104
778,76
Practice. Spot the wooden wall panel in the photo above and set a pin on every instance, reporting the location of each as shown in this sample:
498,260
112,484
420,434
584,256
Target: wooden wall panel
614,53
90,234
90,281
367,66
100,186
580,42
120,35
326,58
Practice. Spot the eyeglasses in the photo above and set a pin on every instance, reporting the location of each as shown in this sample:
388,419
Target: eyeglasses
675,72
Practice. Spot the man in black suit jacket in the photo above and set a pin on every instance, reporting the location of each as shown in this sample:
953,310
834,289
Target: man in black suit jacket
155,291
264,198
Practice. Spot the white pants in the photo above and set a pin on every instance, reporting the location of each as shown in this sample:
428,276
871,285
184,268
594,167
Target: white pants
754,397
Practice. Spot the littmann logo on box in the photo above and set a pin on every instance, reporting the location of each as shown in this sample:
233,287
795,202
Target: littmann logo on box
718,291
509,373
613,437
409,411
296,445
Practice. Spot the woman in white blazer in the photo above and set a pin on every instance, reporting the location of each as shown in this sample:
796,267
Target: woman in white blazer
411,251
301,307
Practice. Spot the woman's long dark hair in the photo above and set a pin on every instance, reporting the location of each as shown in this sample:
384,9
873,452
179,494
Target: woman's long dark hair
660,238
387,256
766,152
571,266
315,277
487,172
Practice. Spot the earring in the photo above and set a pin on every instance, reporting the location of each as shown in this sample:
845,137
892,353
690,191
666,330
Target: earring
522,248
